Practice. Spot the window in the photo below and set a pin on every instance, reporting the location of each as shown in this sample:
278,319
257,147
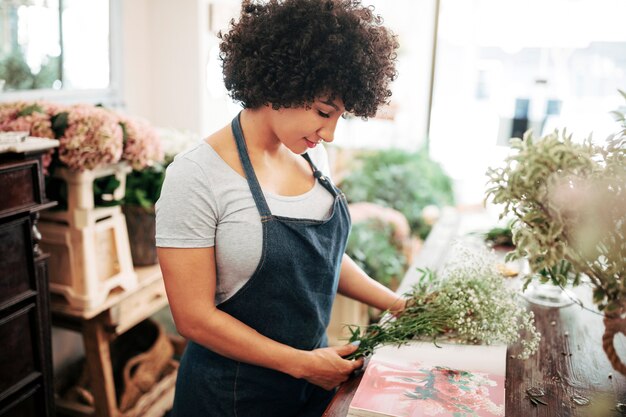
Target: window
53,47
505,66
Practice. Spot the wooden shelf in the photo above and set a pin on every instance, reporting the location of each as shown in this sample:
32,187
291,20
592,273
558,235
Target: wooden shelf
154,403
99,326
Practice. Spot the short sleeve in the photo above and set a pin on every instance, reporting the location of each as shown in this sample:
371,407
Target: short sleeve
186,212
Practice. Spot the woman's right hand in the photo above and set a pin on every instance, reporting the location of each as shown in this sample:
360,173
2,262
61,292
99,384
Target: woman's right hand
326,368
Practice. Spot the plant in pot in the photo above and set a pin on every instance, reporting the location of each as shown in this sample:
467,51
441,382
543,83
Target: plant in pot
143,188
568,202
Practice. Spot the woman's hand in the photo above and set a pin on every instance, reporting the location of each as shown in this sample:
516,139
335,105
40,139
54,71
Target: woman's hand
326,368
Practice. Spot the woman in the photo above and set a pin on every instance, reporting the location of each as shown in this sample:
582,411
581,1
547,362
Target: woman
250,229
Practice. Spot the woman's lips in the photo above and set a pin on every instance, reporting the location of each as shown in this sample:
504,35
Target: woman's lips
311,144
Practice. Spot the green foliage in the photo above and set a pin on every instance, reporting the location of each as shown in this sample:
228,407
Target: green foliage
569,204
143,188
28,110
16,72
103,189
500,235
372,246
59,123
403,181
19,76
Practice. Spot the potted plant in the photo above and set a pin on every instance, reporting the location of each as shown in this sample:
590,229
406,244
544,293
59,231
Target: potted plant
568,202
143,188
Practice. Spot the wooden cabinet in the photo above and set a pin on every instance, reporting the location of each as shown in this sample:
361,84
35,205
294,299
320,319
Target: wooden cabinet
25,355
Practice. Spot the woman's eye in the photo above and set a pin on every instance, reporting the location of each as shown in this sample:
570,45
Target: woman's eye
322,114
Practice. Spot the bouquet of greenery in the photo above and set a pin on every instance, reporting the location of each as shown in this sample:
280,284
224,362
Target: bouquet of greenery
468,302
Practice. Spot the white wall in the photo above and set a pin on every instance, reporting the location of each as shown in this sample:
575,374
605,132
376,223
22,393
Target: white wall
166,47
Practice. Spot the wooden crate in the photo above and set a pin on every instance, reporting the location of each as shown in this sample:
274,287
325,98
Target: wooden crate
87,264
89,245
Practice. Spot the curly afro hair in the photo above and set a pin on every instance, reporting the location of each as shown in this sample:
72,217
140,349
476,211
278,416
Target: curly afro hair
288,53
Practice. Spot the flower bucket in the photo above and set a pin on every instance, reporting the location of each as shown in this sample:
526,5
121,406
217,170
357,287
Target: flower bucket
141,223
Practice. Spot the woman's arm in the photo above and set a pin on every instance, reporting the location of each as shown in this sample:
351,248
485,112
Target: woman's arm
356,284
190,281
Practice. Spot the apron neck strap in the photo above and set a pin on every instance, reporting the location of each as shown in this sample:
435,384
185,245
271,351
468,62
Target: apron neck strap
319,175
253,183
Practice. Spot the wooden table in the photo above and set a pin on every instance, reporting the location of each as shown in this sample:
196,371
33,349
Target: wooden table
99,326
570,360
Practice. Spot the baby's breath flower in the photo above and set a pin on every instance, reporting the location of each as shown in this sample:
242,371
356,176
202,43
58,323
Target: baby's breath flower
468,302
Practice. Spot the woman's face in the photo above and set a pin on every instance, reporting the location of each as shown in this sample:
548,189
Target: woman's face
300,129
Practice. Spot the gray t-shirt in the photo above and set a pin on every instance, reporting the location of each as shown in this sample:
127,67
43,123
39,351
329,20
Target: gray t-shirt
205,203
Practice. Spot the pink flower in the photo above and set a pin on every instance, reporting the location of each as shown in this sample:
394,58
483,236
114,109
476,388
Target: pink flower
31,117
93,138
142,146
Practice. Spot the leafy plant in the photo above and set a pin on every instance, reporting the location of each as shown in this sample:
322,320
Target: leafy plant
407,182
568,200
143,187
500,236
19,76
372,246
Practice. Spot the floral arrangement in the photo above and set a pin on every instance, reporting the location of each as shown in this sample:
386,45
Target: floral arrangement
468,302
568,201
142,146
175,141
89,136
92,138
22,116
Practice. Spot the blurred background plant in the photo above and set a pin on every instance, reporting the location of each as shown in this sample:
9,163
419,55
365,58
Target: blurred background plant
568,200
373,246
18,75
407,182
500,236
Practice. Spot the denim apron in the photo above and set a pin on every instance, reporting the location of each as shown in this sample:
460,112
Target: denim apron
288,299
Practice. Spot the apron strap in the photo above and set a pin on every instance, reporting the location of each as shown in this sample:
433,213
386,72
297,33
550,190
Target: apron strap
319,175
253,183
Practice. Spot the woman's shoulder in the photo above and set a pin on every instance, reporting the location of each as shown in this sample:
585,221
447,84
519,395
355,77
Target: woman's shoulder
202,158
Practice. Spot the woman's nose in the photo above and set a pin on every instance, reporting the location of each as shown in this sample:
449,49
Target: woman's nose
327,132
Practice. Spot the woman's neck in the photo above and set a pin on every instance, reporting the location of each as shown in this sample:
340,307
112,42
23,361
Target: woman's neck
258,132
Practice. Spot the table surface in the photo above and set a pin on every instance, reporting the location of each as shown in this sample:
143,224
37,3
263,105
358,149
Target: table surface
570,361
